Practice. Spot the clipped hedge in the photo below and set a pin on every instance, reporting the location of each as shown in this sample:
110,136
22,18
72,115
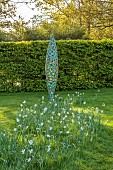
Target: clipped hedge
82,64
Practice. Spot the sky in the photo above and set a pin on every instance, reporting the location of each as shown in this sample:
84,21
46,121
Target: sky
25,10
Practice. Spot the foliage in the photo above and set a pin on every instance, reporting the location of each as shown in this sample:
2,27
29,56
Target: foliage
21,32
82,64
7,11
93,15
46,134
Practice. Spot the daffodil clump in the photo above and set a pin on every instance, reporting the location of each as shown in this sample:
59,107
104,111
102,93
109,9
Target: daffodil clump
47,133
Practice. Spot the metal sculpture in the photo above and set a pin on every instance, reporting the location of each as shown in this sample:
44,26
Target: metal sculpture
51,67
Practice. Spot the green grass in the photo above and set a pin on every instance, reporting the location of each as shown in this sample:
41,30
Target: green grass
96,156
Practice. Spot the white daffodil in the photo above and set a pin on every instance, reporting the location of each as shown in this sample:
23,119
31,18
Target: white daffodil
42,124
17,120
15,129
35,105
30,142
21,105
31,151
73,121
50,128
24,102
42,97
45,109
67,132
49,148
58,114
48,136
103,105
29,159
23,151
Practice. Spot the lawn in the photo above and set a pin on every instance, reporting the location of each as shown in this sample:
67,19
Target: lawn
77,148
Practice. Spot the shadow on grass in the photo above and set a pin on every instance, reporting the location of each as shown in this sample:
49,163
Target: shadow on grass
94,156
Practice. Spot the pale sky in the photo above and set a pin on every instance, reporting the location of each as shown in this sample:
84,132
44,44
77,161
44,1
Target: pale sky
25,10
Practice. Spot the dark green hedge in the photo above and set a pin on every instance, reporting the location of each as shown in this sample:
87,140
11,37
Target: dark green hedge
82,64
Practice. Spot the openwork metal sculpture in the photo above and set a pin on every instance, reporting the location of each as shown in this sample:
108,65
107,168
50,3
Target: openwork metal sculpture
51,67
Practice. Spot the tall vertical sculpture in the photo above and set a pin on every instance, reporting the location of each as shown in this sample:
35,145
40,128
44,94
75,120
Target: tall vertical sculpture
51,67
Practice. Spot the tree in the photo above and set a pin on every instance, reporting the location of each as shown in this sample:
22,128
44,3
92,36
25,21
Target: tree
7,12
93,15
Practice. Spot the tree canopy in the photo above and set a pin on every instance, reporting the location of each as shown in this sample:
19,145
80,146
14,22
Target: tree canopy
67,19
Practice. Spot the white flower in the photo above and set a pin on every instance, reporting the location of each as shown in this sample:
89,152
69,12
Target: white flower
64,127
103,104
19,125
27,127
63,118
67,132
61,121
42,97
73,121
60,132
50,128
45,109
48,136
90,117
79,123
30,142
23,151
48,121
67,113
42,124
18,120
55,104
97,109
24,102
58,114
82,128
27,109
102,111
84,102
21,105
49,148
51,117
31,151
19,115
70,108
87,134
15,129
29,159
53,112
63,109
35,105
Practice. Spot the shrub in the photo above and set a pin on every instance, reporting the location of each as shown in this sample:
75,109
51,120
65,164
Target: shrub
82,64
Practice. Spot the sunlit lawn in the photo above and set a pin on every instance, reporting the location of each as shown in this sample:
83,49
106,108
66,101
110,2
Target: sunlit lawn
94,157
